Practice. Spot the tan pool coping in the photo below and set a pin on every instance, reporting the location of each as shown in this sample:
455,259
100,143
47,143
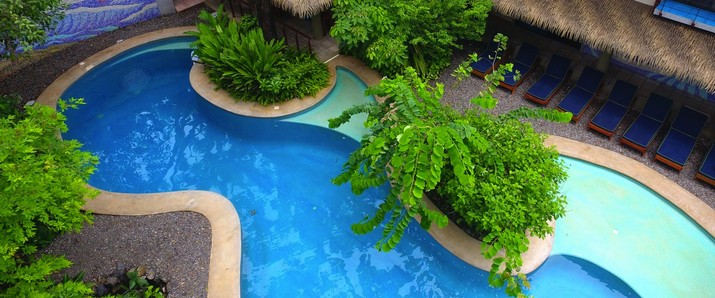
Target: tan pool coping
225,261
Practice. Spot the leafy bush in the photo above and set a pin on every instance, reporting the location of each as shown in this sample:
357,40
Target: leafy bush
42,186
494,170
24,24
391,35
9,105
239,60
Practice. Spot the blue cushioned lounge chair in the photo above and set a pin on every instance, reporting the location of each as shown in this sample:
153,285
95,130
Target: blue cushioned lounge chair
485,63
643,129
680,140
612,112
545,87
579,97
523,62
706,172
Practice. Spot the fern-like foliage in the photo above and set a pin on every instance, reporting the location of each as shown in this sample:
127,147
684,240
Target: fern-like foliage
494,171
413,138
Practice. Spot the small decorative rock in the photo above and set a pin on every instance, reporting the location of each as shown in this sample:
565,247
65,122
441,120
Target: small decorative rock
141,270
101,290
150,274
119,269
111,281
117,283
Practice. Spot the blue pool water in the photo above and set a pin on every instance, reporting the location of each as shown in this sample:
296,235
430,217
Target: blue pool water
153,133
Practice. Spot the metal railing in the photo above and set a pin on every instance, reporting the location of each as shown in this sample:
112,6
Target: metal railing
295,34
245,7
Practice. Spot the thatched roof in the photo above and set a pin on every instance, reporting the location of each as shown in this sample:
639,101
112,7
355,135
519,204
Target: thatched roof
629,30
303,8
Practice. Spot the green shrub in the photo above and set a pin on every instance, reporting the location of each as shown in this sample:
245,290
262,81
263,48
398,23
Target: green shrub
493,170
240,61
43,187
9,105
391,35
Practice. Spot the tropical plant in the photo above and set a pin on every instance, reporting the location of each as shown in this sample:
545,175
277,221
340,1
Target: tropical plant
494,171
243,63
24,24
391,35
9,105
139,287
43,187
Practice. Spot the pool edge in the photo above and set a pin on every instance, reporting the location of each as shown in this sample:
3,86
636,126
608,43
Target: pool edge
225,261
224,268
688,203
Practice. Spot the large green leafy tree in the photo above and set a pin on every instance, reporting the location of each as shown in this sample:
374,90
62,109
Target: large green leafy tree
390,35
24,23
494,171
42,189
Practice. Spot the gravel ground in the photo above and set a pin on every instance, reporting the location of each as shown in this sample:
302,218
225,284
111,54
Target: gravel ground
178,244
459,99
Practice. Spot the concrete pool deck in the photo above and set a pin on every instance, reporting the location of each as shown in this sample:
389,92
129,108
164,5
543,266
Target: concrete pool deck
224,268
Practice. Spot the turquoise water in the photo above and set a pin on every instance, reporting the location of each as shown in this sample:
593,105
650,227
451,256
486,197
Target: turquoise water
153,133
618,224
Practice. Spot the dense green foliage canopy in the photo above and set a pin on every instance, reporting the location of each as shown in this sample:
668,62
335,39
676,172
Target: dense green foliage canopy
391,35
243,63
42,186
25,23
494,171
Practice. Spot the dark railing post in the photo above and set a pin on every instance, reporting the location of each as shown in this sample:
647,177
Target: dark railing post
230,5
297,42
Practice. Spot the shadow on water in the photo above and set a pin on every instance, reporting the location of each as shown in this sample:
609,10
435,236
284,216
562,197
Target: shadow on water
570,276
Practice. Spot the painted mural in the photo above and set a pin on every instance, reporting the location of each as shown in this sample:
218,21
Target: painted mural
88,18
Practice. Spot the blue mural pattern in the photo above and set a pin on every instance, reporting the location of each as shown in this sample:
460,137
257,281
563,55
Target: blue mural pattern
89,18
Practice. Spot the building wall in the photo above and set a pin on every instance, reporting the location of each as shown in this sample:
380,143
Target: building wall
649,2
88,18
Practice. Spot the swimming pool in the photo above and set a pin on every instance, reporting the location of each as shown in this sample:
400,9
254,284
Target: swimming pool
153,133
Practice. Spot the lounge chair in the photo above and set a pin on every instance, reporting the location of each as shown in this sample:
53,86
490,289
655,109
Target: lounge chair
485,63
523,62
612,112
580,96
680,140
545,87
706,173
643,129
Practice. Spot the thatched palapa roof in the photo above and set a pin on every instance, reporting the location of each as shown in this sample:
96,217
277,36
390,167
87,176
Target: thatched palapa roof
629,30
302,8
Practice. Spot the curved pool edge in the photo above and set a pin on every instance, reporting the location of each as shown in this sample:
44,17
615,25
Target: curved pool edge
53,92
225,260
467,248
224,278
224,268
220,98
688,203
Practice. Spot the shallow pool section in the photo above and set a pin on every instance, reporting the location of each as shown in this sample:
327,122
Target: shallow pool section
618,224
153,133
